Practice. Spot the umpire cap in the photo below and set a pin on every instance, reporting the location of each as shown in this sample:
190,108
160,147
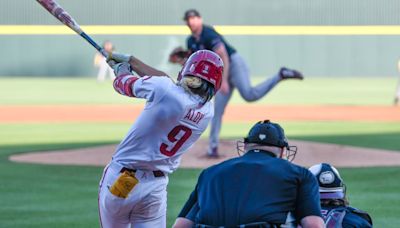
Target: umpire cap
267,133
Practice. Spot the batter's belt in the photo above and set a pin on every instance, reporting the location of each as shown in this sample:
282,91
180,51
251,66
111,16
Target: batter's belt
127,180
156,173
121,168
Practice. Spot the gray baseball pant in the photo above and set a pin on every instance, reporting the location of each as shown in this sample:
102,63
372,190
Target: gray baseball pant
239,77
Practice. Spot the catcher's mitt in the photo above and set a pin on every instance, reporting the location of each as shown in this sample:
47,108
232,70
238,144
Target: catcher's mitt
178,55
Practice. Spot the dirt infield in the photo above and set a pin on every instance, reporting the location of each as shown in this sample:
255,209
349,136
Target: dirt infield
234,113
309,153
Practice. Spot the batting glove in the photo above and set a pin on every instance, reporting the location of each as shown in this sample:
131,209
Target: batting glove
119,58
120,68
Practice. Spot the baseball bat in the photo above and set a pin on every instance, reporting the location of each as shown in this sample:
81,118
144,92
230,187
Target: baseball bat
63,16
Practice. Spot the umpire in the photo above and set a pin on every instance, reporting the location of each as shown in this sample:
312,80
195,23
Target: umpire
262,188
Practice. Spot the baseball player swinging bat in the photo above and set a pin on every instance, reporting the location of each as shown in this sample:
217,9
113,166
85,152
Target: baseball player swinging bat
57,11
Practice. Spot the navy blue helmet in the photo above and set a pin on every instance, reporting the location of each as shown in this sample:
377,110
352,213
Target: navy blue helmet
331,185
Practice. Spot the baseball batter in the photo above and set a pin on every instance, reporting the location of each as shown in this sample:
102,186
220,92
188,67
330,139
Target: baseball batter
132,190
236,73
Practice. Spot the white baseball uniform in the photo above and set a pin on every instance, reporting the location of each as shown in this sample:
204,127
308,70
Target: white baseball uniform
172,120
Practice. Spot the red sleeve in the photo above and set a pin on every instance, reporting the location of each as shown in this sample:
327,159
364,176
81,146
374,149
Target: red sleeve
124,84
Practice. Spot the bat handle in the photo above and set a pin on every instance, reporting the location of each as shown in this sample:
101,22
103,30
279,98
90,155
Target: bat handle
94,44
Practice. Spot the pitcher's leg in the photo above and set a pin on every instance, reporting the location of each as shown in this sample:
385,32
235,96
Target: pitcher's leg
220,102
240,77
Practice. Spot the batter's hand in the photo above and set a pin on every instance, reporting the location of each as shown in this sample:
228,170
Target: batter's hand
111,63
179,55
120,68
118,57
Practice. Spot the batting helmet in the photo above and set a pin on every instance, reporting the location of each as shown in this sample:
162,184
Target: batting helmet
206,65
331,185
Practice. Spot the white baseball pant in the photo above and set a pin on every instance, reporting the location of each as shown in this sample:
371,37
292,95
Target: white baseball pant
145,206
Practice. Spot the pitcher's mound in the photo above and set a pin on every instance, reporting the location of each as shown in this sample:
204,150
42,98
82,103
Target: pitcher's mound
309,153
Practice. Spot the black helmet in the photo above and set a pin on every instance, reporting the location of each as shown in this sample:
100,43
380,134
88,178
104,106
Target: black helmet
267,133
331,185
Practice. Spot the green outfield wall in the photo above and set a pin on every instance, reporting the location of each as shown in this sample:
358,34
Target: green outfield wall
322,38
225,12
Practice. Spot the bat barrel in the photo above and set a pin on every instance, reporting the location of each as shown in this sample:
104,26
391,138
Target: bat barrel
57,11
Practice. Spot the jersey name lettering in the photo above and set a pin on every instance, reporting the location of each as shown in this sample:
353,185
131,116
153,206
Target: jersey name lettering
194,116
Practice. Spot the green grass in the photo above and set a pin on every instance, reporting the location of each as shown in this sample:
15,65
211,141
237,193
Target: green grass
368,134
338,91
375,190
66,196
48,196
384,135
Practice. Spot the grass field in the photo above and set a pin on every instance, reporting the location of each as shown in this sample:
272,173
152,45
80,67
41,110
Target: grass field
66,196
326,91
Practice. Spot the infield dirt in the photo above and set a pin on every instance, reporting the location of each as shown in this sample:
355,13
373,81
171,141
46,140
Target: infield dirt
233,113
309,152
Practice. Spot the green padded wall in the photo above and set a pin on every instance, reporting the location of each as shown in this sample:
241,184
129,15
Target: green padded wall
316,55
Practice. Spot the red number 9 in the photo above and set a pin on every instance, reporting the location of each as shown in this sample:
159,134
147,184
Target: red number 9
177,142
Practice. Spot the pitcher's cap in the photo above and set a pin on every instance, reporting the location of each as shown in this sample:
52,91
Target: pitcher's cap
191,13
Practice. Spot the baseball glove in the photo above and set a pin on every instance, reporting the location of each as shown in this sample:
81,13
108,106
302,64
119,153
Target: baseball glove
179,55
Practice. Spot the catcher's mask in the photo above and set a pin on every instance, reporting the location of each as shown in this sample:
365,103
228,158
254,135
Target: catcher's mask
268,133
331,185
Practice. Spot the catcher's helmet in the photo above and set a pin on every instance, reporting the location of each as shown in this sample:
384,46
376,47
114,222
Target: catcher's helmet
331,185
206,65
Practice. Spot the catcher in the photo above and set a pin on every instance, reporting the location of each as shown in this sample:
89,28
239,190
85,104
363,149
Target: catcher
335,207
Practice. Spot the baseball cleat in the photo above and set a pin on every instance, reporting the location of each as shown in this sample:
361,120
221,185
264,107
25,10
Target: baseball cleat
286,73
213,153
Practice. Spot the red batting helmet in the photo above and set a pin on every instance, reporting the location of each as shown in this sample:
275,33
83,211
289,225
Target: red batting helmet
206,65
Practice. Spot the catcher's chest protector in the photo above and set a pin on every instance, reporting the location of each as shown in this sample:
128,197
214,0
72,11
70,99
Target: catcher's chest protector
334,218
